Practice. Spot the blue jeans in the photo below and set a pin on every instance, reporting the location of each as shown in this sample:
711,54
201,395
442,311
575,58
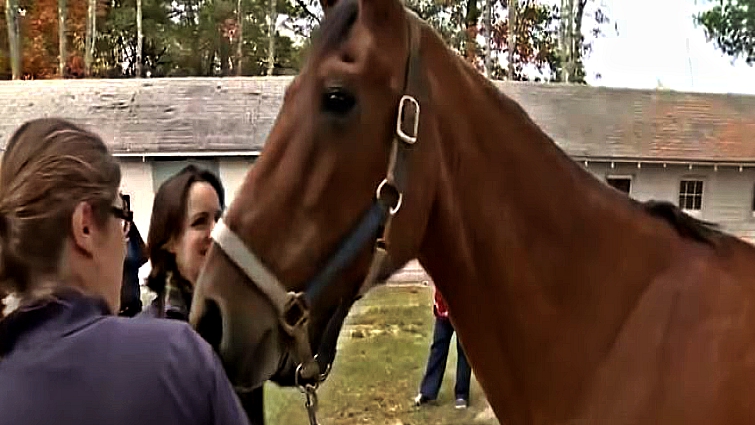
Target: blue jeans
436,363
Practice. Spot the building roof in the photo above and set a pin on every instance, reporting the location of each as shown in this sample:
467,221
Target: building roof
234,115
608,123
148,116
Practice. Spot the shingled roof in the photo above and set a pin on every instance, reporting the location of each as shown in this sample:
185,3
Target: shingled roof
194,115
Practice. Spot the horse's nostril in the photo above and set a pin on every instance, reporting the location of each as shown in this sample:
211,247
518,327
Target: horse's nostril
210,325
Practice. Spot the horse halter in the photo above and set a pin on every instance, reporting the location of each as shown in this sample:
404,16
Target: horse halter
292,308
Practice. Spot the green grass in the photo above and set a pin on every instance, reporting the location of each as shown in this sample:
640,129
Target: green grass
382,354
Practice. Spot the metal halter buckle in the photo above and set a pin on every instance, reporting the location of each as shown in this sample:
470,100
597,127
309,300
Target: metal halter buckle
408,139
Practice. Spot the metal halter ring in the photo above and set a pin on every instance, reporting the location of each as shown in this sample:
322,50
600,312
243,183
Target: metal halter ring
324,375
303,388
399,120
320,378
394,209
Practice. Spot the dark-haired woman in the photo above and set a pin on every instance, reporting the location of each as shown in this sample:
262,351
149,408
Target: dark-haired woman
184,212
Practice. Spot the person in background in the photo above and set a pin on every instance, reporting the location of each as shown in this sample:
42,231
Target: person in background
65,357
136,256
184,212
436,363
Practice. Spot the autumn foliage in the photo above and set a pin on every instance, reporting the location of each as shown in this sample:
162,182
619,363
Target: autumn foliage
38,23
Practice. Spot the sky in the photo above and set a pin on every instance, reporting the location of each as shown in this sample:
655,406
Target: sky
658,42
658,45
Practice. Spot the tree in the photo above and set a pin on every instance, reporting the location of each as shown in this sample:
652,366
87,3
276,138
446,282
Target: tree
573,45
273,19
511,39
139,40
488,17
730,24
534,33
91,35
535,43
62,52
14,37
41,43
240,36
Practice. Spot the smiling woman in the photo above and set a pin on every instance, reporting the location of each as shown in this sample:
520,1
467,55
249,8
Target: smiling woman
186,207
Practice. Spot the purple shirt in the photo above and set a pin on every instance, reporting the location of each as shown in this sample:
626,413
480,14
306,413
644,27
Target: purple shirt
67,361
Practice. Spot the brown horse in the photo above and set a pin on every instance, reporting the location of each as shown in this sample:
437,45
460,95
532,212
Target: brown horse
574,303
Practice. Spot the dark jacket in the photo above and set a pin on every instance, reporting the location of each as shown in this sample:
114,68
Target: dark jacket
65,361
136,256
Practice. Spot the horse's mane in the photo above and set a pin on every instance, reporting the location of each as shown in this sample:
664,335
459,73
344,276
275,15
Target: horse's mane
687,226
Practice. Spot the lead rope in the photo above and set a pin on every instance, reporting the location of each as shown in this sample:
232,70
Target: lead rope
311,404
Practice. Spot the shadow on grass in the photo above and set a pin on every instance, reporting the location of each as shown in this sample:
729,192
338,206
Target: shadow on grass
382,354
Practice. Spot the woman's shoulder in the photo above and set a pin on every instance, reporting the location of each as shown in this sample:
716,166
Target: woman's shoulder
171,334
182,361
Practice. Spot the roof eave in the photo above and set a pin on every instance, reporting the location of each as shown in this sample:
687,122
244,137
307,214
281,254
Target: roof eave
667,161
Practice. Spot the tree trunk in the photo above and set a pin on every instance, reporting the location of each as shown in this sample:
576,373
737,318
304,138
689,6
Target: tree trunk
512,36
488,36
576,39
271,38
14,37
240,35
139,39
62,38
224,52
470,22
570,39
90,36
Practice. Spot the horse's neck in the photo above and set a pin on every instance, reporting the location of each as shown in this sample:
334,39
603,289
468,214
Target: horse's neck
534,256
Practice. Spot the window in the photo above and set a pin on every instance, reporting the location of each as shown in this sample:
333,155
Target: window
691,195
623,184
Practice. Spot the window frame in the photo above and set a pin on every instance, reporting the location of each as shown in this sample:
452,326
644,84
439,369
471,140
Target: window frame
691,195
620,177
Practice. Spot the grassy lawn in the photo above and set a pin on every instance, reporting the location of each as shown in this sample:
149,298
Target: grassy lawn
382,353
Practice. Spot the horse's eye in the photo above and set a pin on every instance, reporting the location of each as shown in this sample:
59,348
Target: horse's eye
336,100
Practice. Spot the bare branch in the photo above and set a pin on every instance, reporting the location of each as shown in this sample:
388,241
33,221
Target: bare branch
307,11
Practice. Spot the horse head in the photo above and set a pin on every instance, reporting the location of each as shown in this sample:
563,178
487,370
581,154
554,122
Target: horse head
338,200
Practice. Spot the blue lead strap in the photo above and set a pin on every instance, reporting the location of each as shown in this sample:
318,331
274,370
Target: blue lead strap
365,231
